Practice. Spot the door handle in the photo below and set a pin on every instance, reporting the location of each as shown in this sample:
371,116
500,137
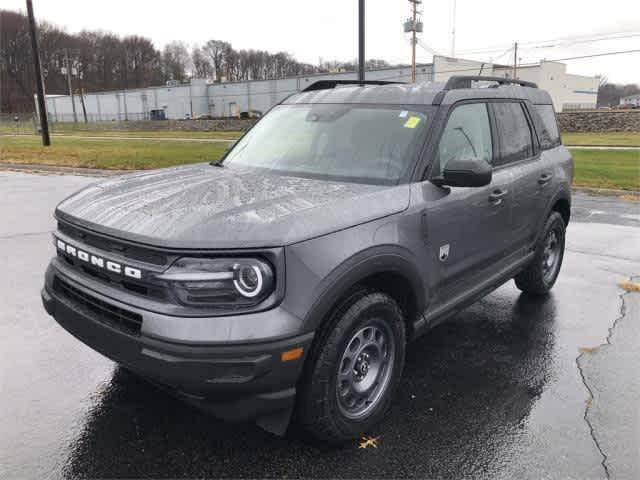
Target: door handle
497,196
545,178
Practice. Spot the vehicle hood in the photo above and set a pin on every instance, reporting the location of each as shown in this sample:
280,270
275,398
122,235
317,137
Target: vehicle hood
203,206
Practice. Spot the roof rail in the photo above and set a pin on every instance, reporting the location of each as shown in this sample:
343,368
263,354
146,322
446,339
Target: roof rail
464,81
327,84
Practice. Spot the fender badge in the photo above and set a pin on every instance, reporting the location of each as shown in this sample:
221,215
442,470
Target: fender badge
444,252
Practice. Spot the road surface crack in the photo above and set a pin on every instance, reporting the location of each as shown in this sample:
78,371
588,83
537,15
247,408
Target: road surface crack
589,402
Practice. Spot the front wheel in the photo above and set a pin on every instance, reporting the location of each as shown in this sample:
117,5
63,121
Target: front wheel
354,369
542,272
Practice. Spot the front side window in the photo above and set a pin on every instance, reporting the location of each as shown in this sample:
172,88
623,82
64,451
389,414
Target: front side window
515,135
345,142
466,136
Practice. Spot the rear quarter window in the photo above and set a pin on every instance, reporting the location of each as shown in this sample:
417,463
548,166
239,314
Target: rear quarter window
550,135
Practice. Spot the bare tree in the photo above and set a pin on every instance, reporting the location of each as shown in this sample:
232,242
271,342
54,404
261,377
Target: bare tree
216,49
104,61
176,61
201,65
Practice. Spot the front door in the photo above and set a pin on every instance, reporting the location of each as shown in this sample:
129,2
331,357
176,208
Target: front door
467,226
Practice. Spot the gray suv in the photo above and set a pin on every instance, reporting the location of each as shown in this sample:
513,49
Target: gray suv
286,280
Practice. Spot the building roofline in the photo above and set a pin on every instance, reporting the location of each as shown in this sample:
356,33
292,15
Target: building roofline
235,82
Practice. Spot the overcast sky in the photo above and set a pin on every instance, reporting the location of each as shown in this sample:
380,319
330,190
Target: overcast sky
327,29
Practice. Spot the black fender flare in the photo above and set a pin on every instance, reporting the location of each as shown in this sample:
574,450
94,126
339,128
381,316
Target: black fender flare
563,193
374,260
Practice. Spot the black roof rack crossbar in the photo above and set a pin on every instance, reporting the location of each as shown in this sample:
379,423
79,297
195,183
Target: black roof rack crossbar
327,84
464,81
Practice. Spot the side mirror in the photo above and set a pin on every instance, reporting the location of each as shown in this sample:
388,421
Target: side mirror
465,173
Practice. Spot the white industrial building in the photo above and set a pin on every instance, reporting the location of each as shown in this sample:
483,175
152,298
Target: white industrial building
200,98
632,100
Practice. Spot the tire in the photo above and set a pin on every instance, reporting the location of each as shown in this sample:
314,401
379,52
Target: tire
540,275
354,369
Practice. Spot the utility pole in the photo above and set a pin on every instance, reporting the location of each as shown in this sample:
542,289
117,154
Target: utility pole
84,108
413,26
67,65
42,107
515,60
361,59
453,31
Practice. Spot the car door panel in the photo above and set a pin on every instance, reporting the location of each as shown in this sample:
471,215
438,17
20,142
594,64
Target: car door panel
467,225
519,154
471,226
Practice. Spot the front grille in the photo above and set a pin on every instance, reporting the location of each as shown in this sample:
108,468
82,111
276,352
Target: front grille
107,244
103,312
145,289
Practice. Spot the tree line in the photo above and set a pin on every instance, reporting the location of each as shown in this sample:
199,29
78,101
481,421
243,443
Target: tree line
102,61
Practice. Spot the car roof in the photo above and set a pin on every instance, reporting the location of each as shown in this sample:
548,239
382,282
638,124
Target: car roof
424,93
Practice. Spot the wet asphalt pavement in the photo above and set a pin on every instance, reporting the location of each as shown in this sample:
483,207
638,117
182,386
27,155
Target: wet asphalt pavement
513,387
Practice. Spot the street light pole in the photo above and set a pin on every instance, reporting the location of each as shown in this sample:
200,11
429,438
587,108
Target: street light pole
361,59
42,107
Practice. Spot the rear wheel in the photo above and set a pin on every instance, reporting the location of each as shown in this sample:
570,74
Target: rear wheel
354,369
541,274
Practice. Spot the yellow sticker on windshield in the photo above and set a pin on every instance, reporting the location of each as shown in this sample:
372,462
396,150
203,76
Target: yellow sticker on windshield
412,122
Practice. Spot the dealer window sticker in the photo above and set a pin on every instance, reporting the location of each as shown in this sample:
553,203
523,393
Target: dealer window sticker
412,122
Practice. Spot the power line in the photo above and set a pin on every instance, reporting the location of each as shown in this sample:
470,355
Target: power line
575,42
590,56
427,48
595,37
569,40
475,69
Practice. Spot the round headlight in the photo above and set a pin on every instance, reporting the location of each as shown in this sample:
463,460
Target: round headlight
232,282
247,280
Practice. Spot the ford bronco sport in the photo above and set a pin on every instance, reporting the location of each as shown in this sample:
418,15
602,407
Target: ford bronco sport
287,278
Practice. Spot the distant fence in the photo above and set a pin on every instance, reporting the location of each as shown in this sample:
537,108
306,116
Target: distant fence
17,123
27,123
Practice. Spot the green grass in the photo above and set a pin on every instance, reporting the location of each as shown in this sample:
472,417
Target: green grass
619,169
108,153
593,168
151,134
28,131
621,139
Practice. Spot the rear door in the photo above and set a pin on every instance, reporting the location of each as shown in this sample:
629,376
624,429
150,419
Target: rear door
519,154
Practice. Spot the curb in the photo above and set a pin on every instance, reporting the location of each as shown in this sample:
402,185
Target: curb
57,170
601,146
609,192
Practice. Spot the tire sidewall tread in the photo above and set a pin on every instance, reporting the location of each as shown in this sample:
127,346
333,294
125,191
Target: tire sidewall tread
531,279
318,409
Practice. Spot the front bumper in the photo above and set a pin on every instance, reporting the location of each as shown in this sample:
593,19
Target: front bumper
234,381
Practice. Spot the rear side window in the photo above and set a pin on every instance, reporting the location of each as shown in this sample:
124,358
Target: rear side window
467,135
549,136
514,132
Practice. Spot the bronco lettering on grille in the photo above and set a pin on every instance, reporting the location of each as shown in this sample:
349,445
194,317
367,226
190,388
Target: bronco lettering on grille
97,261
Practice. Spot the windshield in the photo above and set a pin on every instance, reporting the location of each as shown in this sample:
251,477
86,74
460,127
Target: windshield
349,142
